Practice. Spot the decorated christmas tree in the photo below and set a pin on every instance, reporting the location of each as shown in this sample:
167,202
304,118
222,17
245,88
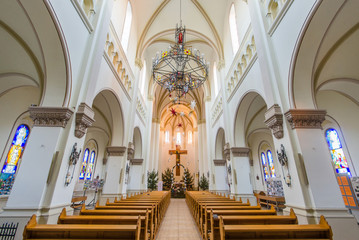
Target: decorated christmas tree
152,180
188,179
203,183
167,179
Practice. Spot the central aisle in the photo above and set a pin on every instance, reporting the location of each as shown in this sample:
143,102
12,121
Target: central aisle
178,223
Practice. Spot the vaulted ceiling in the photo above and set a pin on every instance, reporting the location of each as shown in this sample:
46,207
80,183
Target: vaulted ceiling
156,21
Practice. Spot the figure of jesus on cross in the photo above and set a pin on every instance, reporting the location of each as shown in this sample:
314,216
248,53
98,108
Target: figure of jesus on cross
178,153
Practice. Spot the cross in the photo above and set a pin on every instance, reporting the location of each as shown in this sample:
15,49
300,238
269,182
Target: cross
178,153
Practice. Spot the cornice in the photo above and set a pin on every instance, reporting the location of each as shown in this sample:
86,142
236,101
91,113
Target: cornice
50,116
240,151
274,120
116,150
84,119
305,118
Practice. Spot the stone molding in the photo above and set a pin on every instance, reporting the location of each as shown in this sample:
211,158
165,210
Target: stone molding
116,150
139,63
227,151
305,118
84,119
219,162
240,151
274,120
137,161
130,151
50,116
201,121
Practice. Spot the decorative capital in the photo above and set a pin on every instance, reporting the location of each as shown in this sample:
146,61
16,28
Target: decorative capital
219,162
50,116
274,120
220,65
227,151
116,151
305,118
200,121
207,99
240,151
136,161
84,119
130,151
138,63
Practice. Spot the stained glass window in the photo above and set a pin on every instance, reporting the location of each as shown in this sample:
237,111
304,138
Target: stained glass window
84,164
265,166
233,29
178,138
270,163
17,147
127,27
167,136
90,166
336,151
189,137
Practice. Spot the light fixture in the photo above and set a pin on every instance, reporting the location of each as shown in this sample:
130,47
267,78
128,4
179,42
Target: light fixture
180,68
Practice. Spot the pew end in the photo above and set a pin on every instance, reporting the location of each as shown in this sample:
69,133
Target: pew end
31,223
324,223
107,201
221,228
97,204
138,231
83,208
62,215
248,201
292,214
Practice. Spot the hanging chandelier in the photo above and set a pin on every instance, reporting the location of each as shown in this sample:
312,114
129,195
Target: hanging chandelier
180,68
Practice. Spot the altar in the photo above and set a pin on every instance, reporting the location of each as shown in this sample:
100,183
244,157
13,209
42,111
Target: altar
178,190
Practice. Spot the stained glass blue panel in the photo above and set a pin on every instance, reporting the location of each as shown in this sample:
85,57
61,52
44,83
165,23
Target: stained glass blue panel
84,164
90,166
17,147
270,163
336,151
264,164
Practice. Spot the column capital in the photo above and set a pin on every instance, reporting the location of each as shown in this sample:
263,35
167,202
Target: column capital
227,151
50,116
274,120
240,151
84,119
116,150
130,151
200,121
136,161
306,118
220,64
219,162
138,63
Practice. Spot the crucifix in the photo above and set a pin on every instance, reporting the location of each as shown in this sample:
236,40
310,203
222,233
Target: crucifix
178,153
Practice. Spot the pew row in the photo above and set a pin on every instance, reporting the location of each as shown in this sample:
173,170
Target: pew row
81,231
280,231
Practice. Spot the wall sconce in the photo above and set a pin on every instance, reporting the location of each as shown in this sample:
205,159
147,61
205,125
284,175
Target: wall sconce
283,160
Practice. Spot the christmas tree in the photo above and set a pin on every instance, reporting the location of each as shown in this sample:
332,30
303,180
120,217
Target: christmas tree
188,179
167,179
152,180
203,183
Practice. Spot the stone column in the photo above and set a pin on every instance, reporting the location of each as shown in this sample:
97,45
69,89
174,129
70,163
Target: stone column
115,173
241,174
28,194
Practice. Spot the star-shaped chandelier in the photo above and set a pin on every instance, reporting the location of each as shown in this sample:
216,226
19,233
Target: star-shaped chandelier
180,68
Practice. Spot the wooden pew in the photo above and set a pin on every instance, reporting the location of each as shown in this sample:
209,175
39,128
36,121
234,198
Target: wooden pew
98,219
287,232
124,212
81,231
249,220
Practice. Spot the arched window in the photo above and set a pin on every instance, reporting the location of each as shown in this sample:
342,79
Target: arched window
143,78
270,163
189,137
126,27
233,29
265,166
90,165
215,79
167,136
178,138
11,164
336,151
84,164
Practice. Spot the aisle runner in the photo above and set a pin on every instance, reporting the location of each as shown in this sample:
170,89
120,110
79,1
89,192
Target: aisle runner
178,223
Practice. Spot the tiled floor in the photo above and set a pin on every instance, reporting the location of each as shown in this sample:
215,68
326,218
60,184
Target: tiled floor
178,223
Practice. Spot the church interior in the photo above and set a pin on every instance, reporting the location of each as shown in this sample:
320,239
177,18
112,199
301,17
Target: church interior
107,102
